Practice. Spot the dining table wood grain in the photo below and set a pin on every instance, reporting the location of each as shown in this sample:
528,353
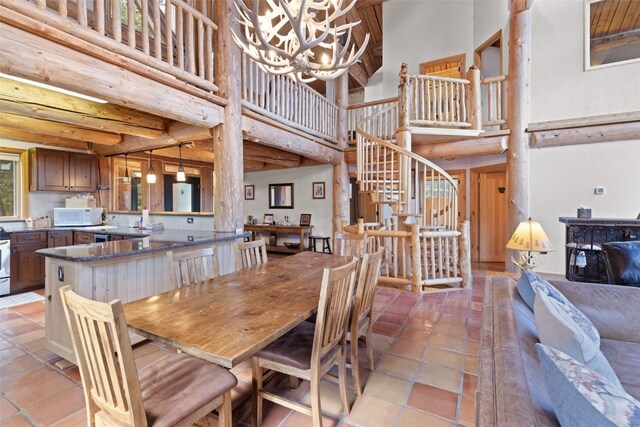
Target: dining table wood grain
231,317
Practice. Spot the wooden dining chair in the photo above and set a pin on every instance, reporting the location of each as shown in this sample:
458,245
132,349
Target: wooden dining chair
349,244
192,267
310,351
361,317
250,253
176,390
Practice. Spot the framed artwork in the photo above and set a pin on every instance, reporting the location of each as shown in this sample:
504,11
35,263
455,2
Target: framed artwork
318,190
249,192
268,219
305,219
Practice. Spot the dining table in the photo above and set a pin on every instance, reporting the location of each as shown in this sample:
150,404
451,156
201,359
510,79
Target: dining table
229,318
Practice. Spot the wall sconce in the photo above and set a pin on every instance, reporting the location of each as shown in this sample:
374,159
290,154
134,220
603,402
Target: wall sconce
151,174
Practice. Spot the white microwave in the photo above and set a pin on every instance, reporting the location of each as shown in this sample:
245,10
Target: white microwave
76,216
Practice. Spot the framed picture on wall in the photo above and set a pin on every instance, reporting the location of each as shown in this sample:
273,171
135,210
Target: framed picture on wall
318,190
249,192
305,219
268,219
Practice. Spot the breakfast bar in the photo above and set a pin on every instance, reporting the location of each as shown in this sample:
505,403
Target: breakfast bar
127,270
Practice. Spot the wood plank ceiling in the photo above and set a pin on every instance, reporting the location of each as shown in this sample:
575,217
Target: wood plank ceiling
614,23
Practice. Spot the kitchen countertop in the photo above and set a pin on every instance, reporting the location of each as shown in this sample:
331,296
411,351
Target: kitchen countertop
148,242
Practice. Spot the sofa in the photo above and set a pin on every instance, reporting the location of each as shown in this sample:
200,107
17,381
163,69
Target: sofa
511,387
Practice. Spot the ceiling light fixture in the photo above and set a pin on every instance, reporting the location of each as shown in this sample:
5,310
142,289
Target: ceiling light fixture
180,175
288,36
53,88
126,169
151,175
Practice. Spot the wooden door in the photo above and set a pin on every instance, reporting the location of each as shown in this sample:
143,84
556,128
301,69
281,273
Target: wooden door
82,172
60,238
53,170
492,215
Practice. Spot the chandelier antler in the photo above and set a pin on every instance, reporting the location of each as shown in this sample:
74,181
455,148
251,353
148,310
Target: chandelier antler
301,38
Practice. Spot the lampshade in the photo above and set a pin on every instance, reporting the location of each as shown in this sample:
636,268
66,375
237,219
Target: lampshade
529,236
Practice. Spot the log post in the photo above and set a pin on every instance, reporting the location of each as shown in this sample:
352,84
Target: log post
474,98
465,255
416,261
403,138
518,117
227,137
341,170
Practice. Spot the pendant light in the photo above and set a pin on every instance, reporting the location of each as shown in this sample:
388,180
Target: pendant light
180,175
126,170
151,175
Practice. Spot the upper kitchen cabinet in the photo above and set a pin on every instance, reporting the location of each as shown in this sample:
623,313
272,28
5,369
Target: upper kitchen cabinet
55,170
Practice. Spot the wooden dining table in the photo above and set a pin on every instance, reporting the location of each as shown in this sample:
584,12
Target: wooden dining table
231,317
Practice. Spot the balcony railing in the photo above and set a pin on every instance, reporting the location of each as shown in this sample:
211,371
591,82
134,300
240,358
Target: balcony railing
492,98
286,101
170,36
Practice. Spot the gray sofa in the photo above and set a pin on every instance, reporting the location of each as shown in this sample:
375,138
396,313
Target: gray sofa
511,388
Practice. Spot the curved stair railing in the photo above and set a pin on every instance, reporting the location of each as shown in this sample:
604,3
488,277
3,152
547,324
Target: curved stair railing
427,252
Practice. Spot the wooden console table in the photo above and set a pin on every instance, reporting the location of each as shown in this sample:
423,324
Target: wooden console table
277,230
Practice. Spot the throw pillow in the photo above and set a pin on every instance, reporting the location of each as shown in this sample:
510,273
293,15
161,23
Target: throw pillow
582,397
530,281
559,327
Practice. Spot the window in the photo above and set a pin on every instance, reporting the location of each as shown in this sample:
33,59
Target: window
9,186
612,32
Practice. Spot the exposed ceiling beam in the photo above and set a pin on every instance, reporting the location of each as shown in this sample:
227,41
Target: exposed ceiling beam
253,165
45,127
176,132
187,154
359,36
262,153
56,141
376,49
28,100
614,41
358,72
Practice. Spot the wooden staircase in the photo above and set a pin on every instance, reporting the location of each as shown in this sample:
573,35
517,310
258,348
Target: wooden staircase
425,244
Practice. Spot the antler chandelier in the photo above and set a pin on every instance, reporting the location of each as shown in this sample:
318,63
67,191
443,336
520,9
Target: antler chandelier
301,38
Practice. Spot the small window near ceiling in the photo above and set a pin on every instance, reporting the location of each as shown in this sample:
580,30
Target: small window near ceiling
9,186
612,32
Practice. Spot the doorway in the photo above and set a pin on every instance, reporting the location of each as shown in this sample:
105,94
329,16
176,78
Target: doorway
488,213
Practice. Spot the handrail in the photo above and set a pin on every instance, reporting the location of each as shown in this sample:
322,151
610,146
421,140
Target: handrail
357,112
289,102
437,101
371,103
174,38
492,96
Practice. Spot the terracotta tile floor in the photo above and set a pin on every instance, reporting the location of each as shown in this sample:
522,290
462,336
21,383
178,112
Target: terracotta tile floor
425,348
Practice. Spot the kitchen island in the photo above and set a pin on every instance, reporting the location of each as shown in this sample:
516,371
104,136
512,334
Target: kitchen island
127,270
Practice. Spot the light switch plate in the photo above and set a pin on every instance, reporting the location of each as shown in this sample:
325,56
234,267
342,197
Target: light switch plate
598,190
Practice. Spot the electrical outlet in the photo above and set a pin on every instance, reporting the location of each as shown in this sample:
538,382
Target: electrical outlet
61,274
598,190
189,220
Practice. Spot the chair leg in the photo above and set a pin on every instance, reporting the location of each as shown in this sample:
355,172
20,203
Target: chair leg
316,411
355,367
342,379
224,411
372,366
255,396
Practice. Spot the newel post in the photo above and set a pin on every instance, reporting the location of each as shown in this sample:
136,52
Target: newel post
403,136
474,98
341,170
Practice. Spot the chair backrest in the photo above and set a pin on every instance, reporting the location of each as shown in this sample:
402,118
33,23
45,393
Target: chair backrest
250,253
104,357
622,260
366,288
334,306
192,267
349,244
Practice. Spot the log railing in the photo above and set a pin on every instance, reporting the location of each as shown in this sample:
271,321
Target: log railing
169,36
492,97
357,112
284,100
437,101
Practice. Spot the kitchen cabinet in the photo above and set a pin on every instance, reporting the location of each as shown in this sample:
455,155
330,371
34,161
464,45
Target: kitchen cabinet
60,238
27,268
81,237
55,170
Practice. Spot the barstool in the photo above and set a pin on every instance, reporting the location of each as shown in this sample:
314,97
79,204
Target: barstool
326,245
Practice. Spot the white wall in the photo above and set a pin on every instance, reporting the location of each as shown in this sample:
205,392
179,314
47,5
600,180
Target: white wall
321,210
416,31
560,87
563,179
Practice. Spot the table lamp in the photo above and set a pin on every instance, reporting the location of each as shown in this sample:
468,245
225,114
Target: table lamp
529,238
